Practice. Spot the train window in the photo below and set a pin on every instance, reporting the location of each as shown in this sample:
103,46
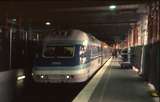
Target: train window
59,51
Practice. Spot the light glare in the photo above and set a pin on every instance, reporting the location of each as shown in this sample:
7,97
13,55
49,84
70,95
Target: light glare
48,23
112,7
21,77
135,69
42,76
67,76
14,20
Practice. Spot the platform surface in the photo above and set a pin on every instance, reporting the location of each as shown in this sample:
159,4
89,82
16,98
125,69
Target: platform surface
120,85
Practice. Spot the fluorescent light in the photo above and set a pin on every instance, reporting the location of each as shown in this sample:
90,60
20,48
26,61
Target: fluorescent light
112,7
48,23
21,77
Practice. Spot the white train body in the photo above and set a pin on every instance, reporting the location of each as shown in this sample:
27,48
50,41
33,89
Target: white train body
72,56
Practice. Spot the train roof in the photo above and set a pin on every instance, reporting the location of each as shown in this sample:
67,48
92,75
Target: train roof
70,35
73,35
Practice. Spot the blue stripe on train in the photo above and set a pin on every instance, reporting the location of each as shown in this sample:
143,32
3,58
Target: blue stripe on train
63,61
62,67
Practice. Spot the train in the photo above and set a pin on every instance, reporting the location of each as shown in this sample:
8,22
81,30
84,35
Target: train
70,56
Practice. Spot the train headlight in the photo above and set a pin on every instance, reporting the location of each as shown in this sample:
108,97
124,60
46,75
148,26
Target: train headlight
67,76
42,76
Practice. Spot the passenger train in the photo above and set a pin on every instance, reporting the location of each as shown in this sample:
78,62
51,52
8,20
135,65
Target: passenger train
69,56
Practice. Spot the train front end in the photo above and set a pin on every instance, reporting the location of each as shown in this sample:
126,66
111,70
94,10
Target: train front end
60,62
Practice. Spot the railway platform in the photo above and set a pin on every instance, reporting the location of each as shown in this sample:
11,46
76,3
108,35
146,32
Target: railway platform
116,85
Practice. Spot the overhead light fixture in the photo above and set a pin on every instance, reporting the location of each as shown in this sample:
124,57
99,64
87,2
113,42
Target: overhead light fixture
48,23
112,7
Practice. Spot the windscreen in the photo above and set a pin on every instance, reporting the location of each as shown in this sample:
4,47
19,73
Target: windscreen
59,51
